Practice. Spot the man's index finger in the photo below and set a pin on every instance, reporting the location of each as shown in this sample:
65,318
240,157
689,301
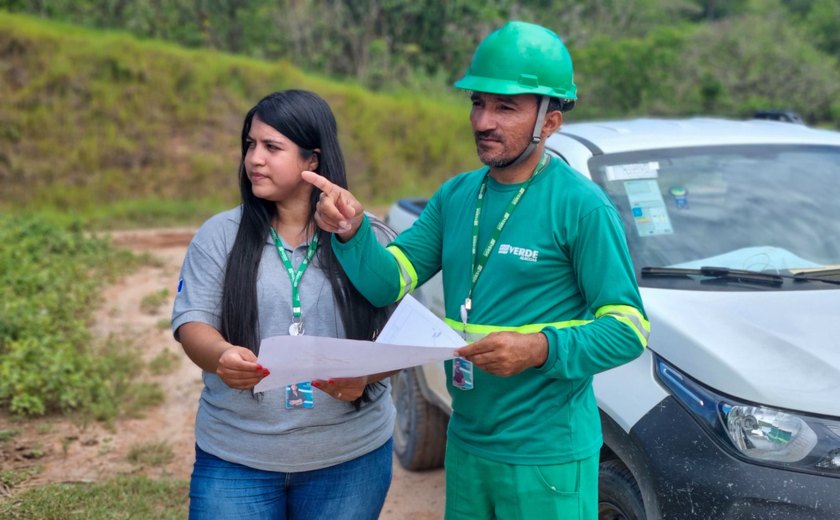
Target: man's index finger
318,181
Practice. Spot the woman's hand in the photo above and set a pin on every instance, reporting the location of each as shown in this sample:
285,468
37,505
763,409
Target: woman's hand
238,368
342,388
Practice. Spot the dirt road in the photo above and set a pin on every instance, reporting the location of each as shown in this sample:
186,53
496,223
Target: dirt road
69,452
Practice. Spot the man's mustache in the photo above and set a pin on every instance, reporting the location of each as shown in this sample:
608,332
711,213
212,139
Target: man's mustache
488,134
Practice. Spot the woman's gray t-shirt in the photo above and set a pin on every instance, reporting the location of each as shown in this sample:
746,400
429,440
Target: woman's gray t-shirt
262,433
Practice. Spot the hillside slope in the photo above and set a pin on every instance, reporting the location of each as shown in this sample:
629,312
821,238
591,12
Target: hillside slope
93,119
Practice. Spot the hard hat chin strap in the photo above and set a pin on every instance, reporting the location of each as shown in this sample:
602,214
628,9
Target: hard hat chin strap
535,136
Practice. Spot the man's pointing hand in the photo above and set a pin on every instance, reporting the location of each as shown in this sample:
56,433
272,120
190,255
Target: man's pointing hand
337,211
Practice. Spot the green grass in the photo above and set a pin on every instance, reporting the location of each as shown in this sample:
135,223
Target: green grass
143,213
140,396
165,362
151,303
152,454
9,478
154,136
120,498
7,435
163,324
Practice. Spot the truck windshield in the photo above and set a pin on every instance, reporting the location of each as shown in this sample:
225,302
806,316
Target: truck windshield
764,208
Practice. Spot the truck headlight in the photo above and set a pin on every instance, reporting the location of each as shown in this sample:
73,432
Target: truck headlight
759,433
767,434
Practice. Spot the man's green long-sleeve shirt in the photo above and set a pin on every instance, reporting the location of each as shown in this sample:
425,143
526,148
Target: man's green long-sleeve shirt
560,266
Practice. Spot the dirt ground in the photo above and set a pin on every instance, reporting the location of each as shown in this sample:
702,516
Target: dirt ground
66,451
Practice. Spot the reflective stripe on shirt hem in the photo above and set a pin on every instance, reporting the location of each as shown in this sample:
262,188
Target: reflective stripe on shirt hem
630,316
475,332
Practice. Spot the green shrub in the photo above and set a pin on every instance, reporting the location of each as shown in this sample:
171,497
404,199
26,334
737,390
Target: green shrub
729,68
50,278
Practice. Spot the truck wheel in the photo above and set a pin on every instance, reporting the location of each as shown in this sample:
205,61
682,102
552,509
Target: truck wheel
420,429
619,497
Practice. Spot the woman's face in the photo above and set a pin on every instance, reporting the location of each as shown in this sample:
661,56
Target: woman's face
273,164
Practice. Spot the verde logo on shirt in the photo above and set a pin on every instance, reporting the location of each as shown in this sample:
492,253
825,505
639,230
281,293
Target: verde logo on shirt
528,255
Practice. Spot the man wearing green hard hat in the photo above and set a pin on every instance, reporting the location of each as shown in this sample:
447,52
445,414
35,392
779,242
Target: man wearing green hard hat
536,276
523,58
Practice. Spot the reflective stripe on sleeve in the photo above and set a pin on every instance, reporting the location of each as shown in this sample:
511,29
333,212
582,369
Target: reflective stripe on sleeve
631,317
408,276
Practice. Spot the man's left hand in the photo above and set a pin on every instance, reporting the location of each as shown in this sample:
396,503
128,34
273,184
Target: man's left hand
507,353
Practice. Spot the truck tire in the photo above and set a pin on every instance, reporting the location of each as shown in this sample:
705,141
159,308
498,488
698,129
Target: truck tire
420,429
619,497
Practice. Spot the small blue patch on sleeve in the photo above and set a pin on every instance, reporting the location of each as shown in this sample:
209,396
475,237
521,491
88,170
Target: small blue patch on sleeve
180,285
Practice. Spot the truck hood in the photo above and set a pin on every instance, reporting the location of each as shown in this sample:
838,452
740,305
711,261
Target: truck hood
776,348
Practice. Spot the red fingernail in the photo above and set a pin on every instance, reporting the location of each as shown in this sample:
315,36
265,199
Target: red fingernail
259,367
316,384
331,382
266,372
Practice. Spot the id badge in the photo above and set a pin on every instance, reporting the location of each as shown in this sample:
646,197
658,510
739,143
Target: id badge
462,374
299,396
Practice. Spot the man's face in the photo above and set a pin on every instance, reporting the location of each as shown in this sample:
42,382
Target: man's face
502,125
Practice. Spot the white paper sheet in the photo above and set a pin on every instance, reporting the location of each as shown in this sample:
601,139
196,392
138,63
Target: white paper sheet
413,324
413,336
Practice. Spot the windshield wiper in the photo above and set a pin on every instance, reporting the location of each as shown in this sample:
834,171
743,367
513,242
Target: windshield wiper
830,275
817,272
717,273
740,275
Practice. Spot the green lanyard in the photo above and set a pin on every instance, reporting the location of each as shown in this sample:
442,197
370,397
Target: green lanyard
295,276
478,262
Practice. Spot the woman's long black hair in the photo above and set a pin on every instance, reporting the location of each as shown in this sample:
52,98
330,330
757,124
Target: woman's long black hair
306,119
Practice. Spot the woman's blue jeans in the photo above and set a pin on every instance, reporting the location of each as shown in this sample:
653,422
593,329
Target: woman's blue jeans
356,489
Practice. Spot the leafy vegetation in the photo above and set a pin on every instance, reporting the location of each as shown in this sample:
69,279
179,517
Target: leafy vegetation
139,133
98,122
424,45
383,42
732,68
123,497
50,278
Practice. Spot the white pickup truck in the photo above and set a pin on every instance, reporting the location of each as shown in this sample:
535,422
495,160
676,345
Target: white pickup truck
733,412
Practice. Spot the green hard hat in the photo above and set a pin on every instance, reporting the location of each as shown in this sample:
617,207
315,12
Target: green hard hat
521,58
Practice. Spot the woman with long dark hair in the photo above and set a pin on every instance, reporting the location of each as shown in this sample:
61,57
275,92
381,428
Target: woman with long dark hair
322,449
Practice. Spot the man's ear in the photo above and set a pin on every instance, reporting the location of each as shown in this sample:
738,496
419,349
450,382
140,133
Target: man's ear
552,123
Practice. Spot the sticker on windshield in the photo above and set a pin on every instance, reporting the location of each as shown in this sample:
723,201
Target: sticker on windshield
627,172
648,207
680,195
